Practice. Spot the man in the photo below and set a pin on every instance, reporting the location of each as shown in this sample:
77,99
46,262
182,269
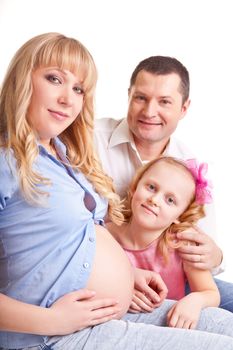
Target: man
158,100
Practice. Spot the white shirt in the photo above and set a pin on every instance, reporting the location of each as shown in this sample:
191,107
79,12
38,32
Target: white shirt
120,160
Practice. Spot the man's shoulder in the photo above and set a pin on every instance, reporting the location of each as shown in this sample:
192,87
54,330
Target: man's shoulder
179,149
106,124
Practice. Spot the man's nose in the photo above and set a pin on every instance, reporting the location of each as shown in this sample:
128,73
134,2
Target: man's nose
151,109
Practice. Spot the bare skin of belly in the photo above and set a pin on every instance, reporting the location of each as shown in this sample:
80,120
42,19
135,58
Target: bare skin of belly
112,274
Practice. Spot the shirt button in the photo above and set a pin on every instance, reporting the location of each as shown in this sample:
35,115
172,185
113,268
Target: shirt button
91,239
85,265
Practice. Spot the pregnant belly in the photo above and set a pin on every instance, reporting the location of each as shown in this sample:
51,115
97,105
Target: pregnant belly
111,275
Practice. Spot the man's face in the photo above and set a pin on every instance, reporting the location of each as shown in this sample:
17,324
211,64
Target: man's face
155,107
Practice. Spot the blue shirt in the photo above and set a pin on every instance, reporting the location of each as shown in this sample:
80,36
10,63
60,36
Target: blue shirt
45,251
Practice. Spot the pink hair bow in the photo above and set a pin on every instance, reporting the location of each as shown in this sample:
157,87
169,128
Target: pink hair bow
203,187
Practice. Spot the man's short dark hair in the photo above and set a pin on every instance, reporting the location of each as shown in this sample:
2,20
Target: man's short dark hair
163,65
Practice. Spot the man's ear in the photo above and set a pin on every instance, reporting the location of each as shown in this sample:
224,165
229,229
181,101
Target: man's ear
129,92
185,108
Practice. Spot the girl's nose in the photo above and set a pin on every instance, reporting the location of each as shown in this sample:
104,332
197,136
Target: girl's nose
154,199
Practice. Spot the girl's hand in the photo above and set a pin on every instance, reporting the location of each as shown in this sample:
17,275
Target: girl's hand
149,291
78,310
186,312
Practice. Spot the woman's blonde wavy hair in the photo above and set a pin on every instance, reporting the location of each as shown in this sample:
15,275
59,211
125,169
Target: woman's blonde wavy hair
189,217
52,49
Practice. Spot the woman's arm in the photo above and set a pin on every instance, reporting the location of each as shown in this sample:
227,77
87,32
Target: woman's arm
70,313
204,293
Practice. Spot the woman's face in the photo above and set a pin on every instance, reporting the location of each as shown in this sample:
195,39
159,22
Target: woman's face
57,100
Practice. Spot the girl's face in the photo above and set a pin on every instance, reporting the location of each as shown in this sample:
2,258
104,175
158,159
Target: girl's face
161,196
57,100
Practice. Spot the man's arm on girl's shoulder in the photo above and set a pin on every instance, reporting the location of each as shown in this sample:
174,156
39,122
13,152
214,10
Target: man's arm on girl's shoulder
202,253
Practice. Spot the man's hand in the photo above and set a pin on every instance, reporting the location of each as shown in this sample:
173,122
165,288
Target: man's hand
202,252
149,291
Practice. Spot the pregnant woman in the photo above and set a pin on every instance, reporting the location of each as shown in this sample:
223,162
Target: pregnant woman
64,281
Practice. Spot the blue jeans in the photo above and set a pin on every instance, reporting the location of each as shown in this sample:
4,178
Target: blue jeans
148,331
38,347
226,293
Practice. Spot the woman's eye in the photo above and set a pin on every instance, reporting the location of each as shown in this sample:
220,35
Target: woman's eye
53,78
78,90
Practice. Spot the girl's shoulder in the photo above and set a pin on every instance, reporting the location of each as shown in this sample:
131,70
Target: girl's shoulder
116,231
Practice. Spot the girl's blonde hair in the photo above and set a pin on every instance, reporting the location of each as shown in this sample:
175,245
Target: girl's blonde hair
189,217
52,49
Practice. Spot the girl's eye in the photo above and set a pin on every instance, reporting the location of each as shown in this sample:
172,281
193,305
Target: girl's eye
151,187
53,78
170,200
78,90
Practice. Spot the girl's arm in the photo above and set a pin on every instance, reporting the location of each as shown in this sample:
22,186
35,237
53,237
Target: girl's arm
204,293
202,282
70,313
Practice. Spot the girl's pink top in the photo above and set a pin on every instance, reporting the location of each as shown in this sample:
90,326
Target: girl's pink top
172,273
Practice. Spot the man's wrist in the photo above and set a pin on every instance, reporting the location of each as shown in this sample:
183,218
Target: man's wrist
220,258
221,267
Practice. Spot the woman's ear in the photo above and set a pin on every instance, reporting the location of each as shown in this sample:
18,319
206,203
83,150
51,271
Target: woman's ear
176,221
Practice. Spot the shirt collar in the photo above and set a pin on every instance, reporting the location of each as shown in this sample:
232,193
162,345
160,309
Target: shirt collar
59,145
168,149
121,135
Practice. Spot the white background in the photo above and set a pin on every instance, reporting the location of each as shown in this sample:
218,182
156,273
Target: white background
119,35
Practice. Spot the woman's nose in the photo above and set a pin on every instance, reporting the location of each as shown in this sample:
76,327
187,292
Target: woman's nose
66,97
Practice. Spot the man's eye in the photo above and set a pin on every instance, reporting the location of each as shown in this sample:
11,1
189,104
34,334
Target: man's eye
140,97
166,102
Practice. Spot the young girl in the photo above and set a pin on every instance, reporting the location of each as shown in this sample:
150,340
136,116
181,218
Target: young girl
53,199
166,197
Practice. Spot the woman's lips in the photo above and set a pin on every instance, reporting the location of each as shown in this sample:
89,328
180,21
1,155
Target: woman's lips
58,115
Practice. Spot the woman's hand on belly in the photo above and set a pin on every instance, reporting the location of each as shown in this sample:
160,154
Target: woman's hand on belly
77,310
